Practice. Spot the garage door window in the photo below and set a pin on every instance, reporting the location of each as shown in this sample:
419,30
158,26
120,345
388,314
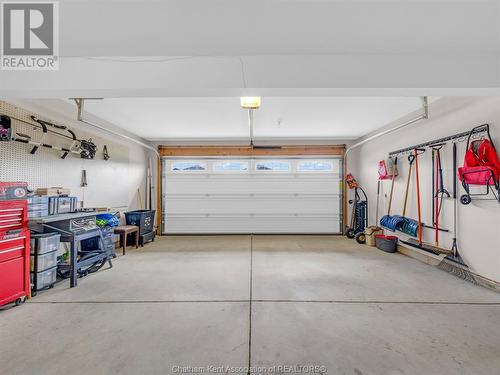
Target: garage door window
230,166
188,166
272,165
315,166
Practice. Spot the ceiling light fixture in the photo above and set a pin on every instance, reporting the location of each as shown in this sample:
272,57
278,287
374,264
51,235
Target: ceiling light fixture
250,102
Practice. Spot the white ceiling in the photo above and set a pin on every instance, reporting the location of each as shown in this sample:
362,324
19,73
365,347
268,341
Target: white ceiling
193,120
276,27
146,48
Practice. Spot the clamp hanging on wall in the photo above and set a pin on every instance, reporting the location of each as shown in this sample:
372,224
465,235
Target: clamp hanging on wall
84,178
105,153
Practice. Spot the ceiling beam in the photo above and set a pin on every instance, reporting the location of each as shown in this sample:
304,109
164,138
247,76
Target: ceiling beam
332,75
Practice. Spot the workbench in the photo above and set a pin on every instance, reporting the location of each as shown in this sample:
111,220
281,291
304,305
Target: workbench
74,228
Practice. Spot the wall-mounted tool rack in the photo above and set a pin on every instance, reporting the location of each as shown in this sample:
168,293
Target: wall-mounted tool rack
479,132
459,137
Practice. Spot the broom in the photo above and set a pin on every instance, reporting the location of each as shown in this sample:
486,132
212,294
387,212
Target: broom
387,221
454,264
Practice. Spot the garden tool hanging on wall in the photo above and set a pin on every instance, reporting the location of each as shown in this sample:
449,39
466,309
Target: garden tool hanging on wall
454,247
439,192
407,225
419,209
387,221
419,243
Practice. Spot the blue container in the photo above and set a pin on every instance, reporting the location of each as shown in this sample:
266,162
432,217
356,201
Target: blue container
144,219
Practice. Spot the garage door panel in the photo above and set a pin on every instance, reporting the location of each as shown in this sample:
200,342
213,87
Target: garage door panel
261,224
324,203
261,185
251,201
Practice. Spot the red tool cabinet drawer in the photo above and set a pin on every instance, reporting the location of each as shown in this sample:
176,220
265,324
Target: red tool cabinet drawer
14,265
13,214
13,279
12,246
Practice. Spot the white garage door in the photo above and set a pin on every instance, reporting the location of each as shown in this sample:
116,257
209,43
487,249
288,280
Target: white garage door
221,195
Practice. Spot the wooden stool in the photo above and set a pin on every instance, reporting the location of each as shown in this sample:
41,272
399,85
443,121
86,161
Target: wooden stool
124,231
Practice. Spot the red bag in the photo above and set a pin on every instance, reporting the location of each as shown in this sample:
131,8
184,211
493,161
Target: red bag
385,171
481,164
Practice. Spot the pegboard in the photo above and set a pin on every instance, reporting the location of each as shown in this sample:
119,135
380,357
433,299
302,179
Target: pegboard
111,183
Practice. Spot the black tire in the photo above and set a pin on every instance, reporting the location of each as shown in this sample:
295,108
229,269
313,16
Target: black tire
19,301
350,233
465,199
360,238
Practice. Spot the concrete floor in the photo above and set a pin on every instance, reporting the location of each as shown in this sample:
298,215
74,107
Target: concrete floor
274,300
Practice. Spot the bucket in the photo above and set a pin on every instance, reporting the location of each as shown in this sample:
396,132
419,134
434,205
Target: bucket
386,243
370,233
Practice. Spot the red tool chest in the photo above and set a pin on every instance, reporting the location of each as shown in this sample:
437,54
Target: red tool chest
13,215
14,252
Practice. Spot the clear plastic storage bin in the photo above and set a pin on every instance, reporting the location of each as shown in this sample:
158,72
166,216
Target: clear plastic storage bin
45,243
37,214
38,199
44,262
45,279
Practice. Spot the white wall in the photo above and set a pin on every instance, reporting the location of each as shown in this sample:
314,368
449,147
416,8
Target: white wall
112,183
479,222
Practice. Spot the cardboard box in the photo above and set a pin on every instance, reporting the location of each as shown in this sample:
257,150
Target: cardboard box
55,190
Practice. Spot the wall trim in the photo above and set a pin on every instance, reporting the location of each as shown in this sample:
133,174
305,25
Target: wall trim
290,150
